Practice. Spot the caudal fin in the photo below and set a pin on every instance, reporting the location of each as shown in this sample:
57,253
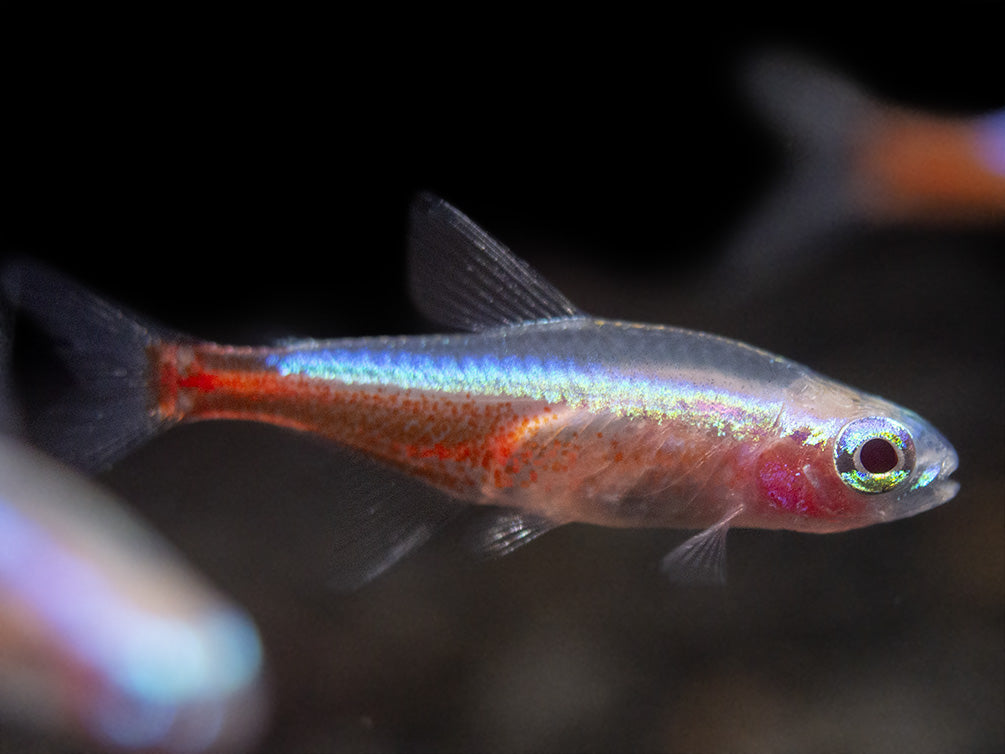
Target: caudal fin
103,405
819,116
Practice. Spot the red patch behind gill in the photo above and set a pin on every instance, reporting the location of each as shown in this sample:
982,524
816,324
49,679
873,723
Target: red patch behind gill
788,488
799,480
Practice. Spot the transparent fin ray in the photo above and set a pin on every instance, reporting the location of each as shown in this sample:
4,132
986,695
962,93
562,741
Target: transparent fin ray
462,278
105,410
502,532
702,558
379,519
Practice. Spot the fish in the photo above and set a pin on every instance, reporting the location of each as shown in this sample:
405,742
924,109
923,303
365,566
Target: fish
524,408
856,161
108,637
106,634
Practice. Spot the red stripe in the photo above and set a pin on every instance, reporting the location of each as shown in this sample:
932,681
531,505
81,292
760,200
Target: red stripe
201,381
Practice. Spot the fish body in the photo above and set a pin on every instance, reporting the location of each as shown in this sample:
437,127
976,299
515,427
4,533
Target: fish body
533,408
576,419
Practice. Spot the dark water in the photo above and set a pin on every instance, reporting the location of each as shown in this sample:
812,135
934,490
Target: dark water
257,187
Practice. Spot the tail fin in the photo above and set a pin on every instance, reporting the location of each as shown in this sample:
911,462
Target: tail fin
819,116
106,408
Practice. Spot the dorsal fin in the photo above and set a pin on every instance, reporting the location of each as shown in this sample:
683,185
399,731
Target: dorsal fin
463,278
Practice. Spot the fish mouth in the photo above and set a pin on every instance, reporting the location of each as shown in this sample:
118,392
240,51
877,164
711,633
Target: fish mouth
938,493
932,486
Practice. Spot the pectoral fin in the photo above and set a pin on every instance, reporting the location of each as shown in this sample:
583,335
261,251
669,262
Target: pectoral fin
702,558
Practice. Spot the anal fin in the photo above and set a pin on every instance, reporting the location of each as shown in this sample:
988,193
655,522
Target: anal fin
384,531
379,517
501,532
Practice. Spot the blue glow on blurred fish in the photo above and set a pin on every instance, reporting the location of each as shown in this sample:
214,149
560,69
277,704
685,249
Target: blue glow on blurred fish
138,647
991,137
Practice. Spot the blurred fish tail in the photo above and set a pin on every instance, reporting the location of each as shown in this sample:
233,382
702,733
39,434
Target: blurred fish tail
810,105
102,406
820,117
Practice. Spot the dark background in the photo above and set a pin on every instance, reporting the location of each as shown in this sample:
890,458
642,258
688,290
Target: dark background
244,178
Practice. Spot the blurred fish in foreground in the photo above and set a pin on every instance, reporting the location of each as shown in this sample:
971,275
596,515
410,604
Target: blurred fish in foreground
532,409
856,161
105,634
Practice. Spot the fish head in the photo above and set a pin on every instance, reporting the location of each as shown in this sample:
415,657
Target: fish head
895,462
848,460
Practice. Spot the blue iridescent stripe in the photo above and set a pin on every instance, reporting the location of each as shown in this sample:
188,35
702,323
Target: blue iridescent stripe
552,380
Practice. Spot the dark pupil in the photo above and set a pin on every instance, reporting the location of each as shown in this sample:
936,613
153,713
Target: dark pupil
878,456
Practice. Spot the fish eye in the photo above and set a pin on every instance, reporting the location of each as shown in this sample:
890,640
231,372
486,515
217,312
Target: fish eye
874,454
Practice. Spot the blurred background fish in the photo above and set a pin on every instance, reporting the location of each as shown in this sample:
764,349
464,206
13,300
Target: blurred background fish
104,633
107,638
247,178
853,160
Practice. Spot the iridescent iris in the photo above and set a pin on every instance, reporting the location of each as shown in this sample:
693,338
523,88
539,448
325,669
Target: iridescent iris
874,454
